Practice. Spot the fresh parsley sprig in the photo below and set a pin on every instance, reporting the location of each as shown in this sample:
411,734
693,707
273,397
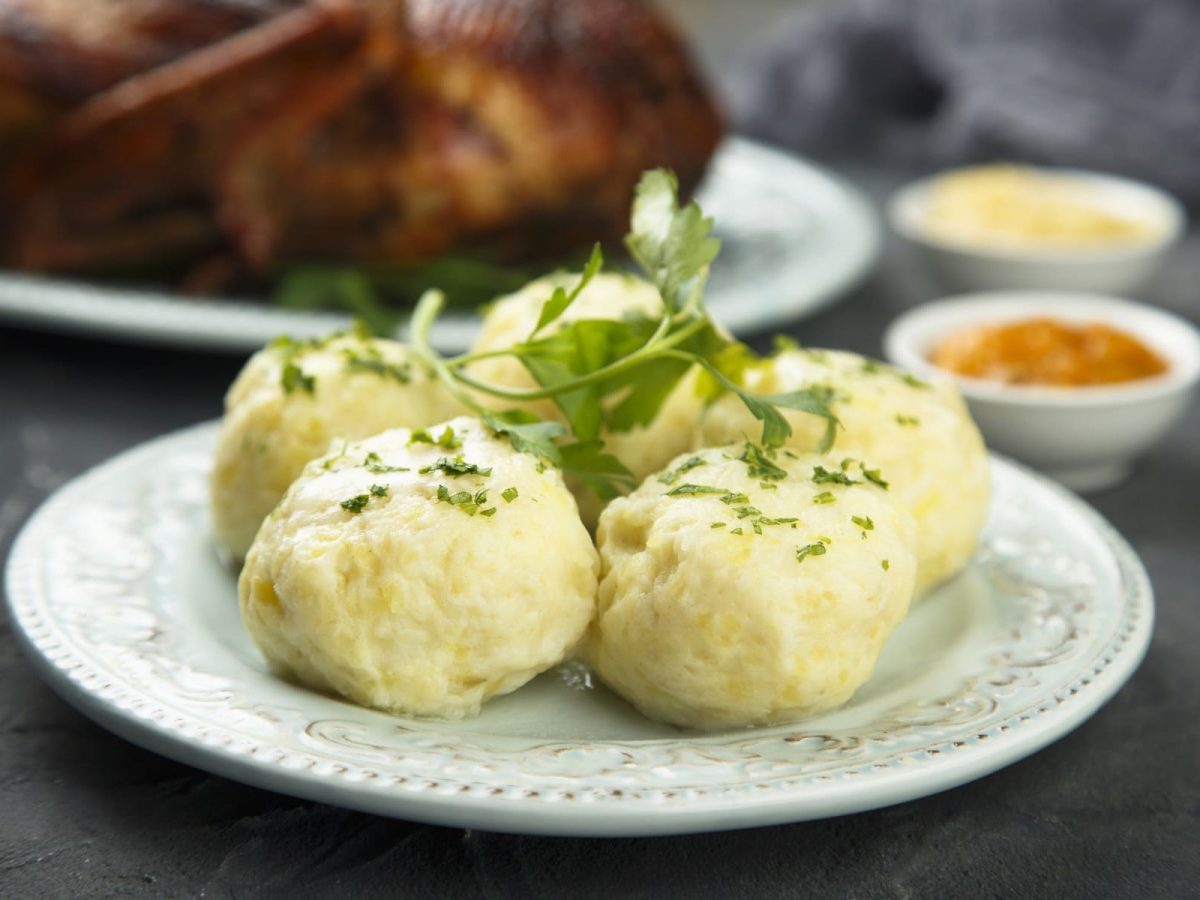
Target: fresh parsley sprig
615,375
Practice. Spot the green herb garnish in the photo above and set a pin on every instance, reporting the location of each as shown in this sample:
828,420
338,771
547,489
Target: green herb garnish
817,549
509,494
688,490
446,439
615,375
873,476
686,466
455,468
401,372
782,520
821,475
293,377
759,463
375,464
824,497
464,501
357,503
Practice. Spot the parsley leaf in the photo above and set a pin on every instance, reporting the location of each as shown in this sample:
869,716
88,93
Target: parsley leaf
602,472
560,299
528,433
673,246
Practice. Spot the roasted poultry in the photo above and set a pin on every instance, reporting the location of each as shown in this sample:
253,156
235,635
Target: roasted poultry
372,131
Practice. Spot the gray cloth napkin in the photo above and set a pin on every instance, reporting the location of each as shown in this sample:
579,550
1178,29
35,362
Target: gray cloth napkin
1112,85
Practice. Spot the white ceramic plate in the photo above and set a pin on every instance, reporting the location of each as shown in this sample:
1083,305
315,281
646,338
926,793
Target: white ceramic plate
117,592
795,239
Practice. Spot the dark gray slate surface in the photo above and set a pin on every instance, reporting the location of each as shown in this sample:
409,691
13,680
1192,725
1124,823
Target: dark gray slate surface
1113,810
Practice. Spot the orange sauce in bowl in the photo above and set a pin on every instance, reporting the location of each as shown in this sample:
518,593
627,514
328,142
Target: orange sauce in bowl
1048,352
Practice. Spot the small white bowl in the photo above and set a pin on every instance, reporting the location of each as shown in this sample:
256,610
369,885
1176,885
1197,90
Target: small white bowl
1117,269
1086,437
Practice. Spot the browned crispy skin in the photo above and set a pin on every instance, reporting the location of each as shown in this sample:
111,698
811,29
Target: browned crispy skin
68,50
515,126
370,130
56,53
146,150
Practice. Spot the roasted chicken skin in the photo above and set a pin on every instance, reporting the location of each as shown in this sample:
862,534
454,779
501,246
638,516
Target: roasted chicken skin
376,131
57,53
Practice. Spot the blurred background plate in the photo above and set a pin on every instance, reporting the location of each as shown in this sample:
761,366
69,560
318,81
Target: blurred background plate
795,238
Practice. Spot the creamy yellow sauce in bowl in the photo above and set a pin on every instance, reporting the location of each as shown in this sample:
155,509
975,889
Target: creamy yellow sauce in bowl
1026,208
1006,226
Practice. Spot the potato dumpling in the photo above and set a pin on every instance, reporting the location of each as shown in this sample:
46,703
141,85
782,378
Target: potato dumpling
421,572
607,296
918,434
741,588
288,404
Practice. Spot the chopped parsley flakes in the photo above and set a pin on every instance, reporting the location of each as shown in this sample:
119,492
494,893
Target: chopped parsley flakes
908,421
454,467
509,494
358,503
821,475
294,377
686,466
760,463
873,476
376,364
824,497
374,463
817,549
446,439
690,490
465,501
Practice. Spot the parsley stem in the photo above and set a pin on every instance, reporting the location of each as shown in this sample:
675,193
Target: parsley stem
648,351
423,317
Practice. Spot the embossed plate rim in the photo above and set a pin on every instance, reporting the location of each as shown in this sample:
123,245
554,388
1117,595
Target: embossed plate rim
582,810
842,250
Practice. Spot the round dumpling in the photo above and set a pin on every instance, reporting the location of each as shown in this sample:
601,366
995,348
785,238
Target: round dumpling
741,587
918,434
643,449
411,572
288,404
